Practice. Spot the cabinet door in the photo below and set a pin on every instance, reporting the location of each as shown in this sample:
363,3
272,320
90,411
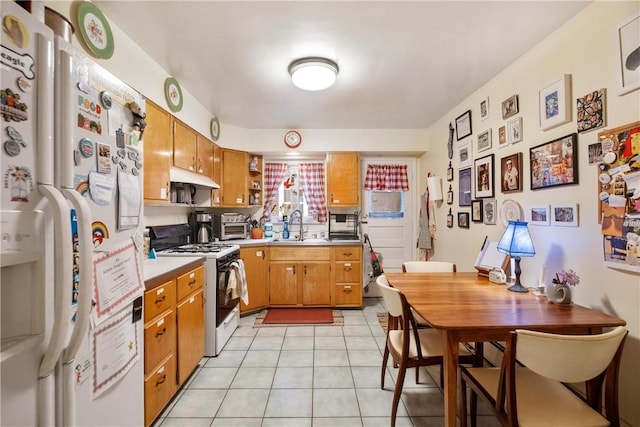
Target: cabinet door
216,193
159,388
184,146
235,167
283,288
157,150
256,265
316,283
204,156
343,179
348,294
159,339
190,334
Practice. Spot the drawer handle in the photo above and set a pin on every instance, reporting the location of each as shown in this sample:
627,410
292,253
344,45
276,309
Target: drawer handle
161,380
347,268
193,282
160,300
347,289
161,332
347,253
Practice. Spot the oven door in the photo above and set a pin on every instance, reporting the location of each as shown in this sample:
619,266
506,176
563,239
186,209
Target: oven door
227,299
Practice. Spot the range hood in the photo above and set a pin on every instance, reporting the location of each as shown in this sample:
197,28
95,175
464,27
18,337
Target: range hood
186,177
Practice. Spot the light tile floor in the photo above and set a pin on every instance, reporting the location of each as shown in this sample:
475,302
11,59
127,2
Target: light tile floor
306,376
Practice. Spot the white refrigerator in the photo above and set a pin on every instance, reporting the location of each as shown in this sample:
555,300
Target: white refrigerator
71,235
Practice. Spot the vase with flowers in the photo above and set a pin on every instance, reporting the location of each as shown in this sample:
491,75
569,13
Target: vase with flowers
560,290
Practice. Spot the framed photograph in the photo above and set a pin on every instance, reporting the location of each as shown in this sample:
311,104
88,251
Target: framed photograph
591,111
476,211
628,45
510,170
539,215
464,154
484,109
463,219
565,215
450,196
554,163
510,107
450,219
515,130
484,141
464,185
489,211
463,125
483,169
450,172
555,103
502,136
595,153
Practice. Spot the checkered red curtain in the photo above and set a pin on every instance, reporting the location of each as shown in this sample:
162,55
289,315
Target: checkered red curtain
386,177
312,183
273,175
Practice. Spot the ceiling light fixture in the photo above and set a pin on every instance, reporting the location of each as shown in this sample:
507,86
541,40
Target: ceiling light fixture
313,73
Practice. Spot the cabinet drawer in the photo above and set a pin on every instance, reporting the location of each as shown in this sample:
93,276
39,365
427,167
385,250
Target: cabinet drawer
348,294
348,271
347,253
159,339
159,299
190,282
159,388
298,253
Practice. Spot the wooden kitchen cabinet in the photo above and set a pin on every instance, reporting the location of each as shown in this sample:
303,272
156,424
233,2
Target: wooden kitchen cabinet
238,179
173,334
256,265
347,268
300,276
204,156
157,154
343,179
216,193
184,146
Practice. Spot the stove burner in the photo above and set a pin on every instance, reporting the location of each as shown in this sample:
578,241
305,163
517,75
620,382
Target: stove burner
198,248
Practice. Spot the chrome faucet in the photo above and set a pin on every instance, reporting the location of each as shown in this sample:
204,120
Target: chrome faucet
301,235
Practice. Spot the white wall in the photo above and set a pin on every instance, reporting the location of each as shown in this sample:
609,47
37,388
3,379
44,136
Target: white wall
585,48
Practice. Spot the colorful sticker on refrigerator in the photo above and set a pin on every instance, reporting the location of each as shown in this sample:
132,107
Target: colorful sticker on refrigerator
15,31
104,155
24,84
81,182
89,114
10,106
76,257
86,147
19,181
100,232
101,188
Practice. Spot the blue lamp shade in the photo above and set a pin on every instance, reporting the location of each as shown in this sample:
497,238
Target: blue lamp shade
516,240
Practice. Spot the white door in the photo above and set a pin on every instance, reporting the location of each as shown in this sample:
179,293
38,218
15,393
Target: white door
393,237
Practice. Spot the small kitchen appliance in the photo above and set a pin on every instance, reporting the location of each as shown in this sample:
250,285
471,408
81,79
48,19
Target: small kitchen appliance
229,226
201,227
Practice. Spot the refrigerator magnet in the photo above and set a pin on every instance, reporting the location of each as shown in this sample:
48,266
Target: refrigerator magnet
86,147
104,157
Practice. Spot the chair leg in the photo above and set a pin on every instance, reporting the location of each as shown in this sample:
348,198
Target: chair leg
398,392
442,376
385,358
473,402
463,403
417,374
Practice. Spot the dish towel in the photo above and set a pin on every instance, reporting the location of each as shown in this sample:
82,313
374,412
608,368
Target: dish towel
424,238
237,285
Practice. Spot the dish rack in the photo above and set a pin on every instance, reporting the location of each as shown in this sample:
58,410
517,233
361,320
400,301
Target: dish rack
343,226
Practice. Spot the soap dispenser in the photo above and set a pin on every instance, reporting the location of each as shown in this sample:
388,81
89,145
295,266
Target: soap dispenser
285,229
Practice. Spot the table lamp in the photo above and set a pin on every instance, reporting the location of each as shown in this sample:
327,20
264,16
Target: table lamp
516,242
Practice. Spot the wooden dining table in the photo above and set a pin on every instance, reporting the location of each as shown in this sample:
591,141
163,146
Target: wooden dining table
465,307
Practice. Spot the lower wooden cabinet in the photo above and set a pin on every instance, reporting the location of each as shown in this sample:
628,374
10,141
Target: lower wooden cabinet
173,336
256,265
300,276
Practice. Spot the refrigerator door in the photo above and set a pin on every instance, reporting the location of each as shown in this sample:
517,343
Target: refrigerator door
100,158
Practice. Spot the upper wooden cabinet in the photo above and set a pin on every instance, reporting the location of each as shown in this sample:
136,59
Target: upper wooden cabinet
241,181
343,179
191,151
157,154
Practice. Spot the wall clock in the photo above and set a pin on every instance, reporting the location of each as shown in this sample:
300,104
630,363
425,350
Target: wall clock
292,139
215,128
173,94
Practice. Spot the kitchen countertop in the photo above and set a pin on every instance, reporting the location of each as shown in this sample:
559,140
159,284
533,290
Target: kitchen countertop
159,270
293,242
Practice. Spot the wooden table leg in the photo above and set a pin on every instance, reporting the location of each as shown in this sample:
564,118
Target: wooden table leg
450,356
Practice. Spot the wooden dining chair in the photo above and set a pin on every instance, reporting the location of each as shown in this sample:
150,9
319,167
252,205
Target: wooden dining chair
532,385
409,345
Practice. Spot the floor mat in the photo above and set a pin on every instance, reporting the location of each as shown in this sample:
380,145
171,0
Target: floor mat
299,317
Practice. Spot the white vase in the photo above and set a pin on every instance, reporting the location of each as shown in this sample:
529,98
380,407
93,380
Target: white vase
559,293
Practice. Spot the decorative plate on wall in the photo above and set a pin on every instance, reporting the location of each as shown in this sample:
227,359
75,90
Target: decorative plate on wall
511,211
173,94
215,128
95,30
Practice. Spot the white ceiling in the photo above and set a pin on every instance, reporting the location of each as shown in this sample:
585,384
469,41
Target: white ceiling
402,64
